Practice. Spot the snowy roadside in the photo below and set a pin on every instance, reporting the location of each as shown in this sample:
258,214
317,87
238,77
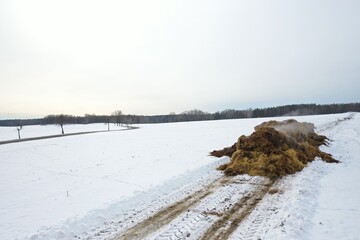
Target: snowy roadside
106,223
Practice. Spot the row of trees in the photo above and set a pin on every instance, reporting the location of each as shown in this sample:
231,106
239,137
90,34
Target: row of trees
62,119
117,117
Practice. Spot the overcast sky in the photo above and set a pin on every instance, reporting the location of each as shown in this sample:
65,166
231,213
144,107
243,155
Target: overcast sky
157,57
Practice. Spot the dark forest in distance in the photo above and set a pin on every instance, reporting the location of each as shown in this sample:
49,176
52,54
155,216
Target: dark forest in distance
192,115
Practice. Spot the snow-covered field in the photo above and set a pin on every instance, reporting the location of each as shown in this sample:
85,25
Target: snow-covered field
11,133
86,185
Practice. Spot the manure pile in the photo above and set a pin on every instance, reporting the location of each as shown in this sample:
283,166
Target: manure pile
274,149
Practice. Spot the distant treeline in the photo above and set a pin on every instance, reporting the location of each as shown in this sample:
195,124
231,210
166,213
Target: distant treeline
192,115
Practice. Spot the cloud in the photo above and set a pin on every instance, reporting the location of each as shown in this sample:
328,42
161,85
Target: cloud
161,56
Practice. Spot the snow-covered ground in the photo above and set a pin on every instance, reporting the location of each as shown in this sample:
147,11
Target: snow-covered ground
11,133
64,187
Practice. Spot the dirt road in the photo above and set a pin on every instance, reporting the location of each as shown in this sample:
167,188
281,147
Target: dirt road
213,212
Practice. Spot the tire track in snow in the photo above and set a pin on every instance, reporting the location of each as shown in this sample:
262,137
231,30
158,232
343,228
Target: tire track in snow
192,223
334,124
223,202
229,222
167,214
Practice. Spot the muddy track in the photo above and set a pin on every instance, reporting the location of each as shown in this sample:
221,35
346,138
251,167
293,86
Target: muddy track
164,216
227,224
213,212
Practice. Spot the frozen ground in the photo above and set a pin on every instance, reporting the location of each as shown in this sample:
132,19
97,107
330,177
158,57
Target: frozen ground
98,186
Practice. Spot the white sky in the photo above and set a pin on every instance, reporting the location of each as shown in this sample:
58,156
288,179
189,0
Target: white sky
156,57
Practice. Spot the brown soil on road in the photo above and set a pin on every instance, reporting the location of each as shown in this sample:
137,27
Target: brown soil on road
226,222
166,215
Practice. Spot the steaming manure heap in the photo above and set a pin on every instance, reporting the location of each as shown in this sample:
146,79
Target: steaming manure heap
275,149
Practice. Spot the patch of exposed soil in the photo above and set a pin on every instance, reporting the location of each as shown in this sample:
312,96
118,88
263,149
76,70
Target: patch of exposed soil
274,149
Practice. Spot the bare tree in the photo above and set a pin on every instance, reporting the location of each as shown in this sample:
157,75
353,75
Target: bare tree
19,129
61,120
117,116
108,121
